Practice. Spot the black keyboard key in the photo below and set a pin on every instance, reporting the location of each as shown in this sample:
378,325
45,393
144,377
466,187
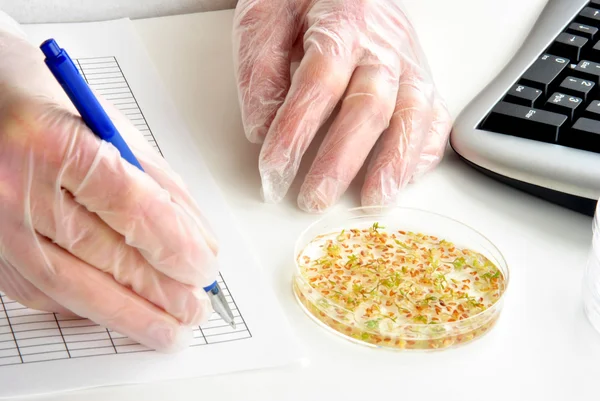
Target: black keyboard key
585,134
523,95
526,122
585,31
577,87
593,54
564,104
595,3
569,46
589,16
587,70
593,110
544,71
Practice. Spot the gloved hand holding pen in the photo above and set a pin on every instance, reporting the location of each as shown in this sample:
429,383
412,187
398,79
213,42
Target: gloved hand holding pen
364,54
82,231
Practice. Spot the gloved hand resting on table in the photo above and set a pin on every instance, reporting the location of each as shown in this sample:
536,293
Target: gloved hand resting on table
362,53
82,231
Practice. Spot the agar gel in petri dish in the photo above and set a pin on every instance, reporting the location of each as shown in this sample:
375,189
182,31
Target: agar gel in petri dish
399,278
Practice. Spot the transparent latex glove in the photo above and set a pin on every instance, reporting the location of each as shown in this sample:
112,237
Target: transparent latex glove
362,54
82,231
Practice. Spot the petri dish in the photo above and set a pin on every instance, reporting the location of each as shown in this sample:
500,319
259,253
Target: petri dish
399,278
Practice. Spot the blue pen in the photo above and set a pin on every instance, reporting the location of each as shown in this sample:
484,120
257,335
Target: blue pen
94,116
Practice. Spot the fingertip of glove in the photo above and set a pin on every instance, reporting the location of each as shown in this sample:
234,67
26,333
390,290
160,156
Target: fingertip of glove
320,192
268,196
169,338
379,197
203,308
312,202
274,186
195,310
256,135
315,200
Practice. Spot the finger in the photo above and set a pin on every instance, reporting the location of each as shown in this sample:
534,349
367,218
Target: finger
396,155
263,35
133,204
93,294
318,85
437,139
12,283
67,223
22,291
130,201
365,112
156,166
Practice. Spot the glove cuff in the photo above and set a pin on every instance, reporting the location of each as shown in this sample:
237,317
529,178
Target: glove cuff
8,24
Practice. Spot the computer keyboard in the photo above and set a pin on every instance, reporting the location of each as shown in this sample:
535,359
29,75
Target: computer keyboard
536,126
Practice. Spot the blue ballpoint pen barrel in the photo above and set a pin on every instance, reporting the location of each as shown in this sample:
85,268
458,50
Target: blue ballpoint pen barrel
84,100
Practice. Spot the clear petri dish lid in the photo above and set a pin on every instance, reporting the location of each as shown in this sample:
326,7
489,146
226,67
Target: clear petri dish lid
399,278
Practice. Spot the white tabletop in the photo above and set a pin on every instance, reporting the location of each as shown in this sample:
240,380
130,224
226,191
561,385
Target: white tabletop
542,348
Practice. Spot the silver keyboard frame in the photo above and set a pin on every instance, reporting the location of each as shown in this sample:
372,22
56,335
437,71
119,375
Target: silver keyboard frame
555,167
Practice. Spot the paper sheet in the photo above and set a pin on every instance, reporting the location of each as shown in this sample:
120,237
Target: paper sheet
45,352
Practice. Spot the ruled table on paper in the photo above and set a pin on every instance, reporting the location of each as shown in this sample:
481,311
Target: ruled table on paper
105,76
28,335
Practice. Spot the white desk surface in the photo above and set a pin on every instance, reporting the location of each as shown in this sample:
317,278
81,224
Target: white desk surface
542,348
